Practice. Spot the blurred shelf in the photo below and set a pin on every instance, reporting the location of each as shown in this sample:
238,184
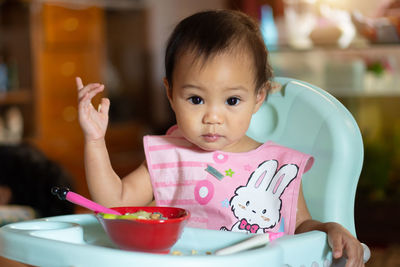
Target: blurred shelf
110,4
351,48
15,97
369,70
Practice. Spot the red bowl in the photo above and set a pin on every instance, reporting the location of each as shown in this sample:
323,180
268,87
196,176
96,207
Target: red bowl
157,236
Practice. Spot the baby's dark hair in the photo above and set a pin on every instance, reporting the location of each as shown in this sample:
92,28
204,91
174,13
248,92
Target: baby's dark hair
208,33
30,175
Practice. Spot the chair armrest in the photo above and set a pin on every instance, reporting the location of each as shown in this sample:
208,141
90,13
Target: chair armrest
310,249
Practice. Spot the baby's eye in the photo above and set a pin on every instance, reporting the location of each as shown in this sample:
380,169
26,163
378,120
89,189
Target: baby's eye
247,203
264,211
232,101
196,100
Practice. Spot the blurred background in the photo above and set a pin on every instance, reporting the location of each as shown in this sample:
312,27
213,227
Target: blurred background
349,48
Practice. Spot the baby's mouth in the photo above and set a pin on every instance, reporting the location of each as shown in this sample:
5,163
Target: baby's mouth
211,137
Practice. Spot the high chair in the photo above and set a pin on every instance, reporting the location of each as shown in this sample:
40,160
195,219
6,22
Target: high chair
307,118
300,116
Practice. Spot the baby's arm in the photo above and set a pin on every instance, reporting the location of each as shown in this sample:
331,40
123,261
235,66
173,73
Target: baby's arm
340,239
104,184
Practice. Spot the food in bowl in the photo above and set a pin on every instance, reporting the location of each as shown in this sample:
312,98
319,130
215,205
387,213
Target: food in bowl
141,215
141,234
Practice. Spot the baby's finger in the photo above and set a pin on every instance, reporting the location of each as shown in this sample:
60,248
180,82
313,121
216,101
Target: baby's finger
354,255
91,90
85,102
337,247
79,83
104,106
354,262
87,88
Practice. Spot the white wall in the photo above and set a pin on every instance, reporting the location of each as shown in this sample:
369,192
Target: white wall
367,7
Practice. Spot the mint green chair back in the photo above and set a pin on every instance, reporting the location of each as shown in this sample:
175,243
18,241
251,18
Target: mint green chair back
308,119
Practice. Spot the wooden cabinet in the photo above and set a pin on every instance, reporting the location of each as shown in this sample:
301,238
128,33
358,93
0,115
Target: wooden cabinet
66,43
64,40
16,63
77,25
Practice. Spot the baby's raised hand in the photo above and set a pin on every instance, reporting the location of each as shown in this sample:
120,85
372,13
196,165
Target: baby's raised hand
93,122
343,243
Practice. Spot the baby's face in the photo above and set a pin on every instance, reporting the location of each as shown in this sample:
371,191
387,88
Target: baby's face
214,100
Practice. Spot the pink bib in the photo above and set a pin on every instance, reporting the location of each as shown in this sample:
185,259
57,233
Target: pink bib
252,192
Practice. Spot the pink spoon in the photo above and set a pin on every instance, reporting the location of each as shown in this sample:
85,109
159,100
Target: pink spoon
65,194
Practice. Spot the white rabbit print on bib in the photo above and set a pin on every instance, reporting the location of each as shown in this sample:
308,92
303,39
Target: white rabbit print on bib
253,192
258,204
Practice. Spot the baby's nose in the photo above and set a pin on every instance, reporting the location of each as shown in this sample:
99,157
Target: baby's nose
213,116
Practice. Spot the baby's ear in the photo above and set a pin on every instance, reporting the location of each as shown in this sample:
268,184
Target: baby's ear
260,98
168,89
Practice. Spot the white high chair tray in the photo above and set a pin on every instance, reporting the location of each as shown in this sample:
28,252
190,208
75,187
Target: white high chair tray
79,240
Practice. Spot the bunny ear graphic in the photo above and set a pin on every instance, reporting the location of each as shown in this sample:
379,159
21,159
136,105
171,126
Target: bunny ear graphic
263,175
283,178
